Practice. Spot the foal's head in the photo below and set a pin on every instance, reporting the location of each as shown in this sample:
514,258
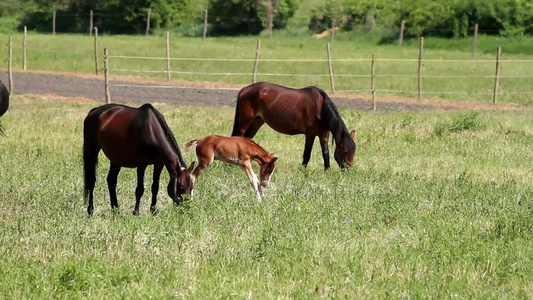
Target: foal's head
345,151
181,182
267,169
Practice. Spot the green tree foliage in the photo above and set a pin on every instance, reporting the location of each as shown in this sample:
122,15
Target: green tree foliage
112,16
233,17
430,17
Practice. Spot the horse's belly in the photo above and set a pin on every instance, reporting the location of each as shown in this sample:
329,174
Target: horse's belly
121,152
286,124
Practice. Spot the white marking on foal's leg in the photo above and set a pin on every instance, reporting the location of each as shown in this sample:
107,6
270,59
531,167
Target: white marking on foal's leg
253,180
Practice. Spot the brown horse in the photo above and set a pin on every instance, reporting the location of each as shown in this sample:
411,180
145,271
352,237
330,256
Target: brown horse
237,151
4,102
291,111
133,138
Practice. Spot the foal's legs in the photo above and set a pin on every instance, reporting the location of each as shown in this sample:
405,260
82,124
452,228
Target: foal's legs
112,184
323,138
309,140
139,191
155,186
253,179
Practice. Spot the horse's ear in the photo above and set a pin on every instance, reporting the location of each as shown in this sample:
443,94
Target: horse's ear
352,134
191,167
273,159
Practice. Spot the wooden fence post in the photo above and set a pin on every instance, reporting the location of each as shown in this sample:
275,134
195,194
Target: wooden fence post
497,77
148,21
168,55
332,36
373,81
400,42
256,64
106,77
54,23
96,50
330,69
91,23
10,66
24,49
205,23
474,43
420,54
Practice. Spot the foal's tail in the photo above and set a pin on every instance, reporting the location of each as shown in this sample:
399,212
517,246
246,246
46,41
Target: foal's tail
190,144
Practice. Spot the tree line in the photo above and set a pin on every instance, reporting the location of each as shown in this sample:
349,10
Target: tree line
450,18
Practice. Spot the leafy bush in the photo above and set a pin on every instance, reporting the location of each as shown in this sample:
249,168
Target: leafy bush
462,122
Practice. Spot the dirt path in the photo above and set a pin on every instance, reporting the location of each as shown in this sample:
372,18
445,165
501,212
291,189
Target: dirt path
135,90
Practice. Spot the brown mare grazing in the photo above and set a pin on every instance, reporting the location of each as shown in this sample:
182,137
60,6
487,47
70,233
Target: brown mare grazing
132,138
237,151
291,111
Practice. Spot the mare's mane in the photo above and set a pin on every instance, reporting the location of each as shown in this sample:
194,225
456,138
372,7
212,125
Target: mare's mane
333,119
168,132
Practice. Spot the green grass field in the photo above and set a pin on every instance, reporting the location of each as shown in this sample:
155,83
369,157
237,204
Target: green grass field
438,205
449,70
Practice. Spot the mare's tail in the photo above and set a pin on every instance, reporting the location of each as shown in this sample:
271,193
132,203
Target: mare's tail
236,121
88,172
90,153
190,144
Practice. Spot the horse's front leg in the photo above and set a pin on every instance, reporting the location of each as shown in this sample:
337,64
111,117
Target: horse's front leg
324,138
309,140
155,187
254,181
112,184
139,191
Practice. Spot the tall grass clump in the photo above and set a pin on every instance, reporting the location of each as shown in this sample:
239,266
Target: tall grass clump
461,122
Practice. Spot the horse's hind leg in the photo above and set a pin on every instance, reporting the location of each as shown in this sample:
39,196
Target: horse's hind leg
309,140
112,184
155,187
139,191
254,127
244,117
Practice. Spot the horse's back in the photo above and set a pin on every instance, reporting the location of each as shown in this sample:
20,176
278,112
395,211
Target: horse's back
121,131
286,110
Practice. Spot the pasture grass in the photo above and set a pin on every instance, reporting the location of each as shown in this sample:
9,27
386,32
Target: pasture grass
438,205
396,71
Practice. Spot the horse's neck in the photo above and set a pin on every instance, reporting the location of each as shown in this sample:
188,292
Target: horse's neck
172,163
258,155
170,157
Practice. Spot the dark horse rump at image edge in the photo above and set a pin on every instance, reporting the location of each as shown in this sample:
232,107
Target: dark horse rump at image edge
307,111
133,138
4,102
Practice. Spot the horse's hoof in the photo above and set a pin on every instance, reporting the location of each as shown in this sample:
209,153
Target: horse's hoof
135,212
154,211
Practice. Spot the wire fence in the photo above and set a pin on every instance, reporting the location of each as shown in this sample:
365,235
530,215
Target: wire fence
435,77
490,88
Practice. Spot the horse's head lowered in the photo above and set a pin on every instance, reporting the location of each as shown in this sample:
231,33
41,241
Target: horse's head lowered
181,182
267,168
345,150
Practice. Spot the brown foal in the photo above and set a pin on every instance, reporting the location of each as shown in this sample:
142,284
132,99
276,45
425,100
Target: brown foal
238,151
